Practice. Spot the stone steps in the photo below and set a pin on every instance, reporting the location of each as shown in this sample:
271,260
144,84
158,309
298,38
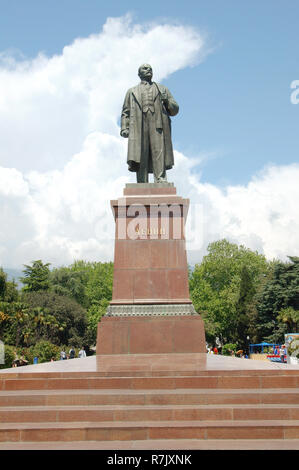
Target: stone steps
148,397
161,444
167,382
203,407
125,413
152,430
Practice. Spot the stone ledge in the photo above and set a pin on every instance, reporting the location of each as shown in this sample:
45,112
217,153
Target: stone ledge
152,310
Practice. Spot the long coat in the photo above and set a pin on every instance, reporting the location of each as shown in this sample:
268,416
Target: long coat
131,119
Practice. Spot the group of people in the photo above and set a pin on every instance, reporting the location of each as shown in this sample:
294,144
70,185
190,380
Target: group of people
212,350
72,354
280,351
19,360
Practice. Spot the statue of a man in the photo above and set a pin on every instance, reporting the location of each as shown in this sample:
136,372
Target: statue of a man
146,123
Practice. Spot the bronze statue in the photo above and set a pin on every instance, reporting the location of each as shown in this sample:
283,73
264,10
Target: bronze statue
146,123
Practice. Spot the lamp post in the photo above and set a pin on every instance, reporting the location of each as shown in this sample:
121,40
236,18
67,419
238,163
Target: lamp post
248,338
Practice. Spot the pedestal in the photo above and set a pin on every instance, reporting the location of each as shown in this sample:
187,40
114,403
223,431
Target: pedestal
151,310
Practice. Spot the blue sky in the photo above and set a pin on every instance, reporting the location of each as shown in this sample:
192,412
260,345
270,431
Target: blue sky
64,69
235,106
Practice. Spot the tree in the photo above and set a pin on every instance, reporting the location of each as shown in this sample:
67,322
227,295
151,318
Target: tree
290,316
279,296
15,324
71,282
90,284
3,281
223,287
37,276
61,319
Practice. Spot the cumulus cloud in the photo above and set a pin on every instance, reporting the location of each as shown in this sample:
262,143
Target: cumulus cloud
263,215
62,159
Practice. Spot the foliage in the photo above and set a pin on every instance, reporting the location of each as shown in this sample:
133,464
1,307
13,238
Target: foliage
61,319
15,324
278,301
70,282
236,290
36,277
44,351
3,280
90,284
223,287
8,357
228,348
290,316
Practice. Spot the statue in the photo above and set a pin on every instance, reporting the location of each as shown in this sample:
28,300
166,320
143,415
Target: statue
146,123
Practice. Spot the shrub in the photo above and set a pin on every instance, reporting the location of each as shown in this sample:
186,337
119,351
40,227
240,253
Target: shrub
228,348
8,356
44,350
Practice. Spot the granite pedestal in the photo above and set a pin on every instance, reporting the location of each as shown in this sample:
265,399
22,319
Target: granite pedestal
151,310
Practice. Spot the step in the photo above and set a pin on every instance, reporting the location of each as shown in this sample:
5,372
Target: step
168,382
148,397
122,413
18,373
161,444
111,431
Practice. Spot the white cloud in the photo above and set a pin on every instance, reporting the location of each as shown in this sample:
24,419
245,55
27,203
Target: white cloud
263,216
62,159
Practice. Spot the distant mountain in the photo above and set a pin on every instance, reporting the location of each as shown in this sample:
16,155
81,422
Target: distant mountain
14,274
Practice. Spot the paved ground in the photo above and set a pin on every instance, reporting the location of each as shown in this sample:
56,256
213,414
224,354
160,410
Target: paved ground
152,362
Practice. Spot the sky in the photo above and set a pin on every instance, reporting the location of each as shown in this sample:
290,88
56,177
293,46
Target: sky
65,67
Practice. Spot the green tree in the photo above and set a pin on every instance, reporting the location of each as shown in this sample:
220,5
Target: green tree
9,355
90,284
290,316
3,282
15,325
279,295
223,287
71,282
61,319
36,277
44,351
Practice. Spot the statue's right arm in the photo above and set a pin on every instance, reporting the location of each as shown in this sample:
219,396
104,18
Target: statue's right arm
125,117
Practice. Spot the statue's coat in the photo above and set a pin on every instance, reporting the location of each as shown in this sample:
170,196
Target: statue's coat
131,119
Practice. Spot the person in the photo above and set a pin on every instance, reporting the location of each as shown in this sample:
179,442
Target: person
145,121
82,352
16,361
23,361
72,353
62,356
283,353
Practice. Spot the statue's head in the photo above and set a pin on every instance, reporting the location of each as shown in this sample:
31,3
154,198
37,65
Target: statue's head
145,72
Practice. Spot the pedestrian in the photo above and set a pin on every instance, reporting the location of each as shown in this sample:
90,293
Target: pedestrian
62,356
72,352
283,353
16,361
82,352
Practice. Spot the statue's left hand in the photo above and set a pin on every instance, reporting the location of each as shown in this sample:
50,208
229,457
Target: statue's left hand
125,133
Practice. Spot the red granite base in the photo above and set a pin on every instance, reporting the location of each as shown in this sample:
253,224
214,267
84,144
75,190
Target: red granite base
151,335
